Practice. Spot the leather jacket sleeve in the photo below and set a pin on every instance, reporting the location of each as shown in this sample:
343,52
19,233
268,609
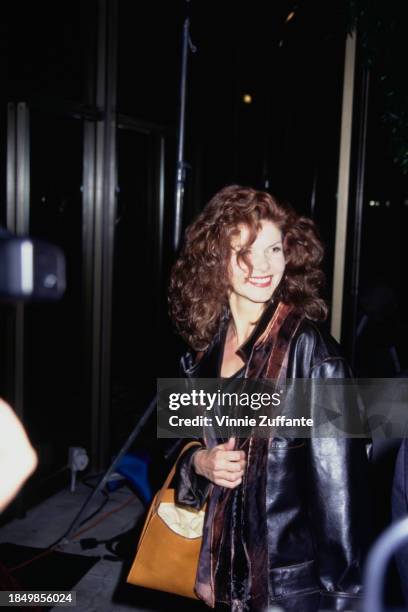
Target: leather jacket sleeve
338,506
191,488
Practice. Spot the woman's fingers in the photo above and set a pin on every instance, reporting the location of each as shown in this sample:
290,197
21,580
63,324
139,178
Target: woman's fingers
228,483
230,476
221,466
232,455
230,466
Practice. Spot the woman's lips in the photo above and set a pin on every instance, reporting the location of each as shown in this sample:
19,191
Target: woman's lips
260,281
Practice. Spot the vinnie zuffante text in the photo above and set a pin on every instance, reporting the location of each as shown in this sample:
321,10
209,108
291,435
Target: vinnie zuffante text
208,401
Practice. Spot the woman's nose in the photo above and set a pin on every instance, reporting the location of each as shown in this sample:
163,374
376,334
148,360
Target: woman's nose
260,264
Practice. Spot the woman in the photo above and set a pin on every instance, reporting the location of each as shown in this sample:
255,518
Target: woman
285,521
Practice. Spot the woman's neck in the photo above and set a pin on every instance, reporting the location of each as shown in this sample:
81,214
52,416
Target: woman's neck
245,315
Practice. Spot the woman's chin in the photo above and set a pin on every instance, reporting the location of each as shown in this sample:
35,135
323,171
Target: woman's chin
258,296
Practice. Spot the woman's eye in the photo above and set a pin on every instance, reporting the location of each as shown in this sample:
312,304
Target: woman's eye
276,249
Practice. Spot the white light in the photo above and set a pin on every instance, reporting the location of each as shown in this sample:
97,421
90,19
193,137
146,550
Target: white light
27,267
247,99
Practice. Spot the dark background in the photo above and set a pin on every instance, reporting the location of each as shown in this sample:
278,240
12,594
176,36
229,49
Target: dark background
286,141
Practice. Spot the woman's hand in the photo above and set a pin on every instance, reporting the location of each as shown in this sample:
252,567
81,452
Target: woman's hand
221,465
18,459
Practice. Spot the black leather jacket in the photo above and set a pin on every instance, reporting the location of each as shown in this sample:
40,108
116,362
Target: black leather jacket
317,493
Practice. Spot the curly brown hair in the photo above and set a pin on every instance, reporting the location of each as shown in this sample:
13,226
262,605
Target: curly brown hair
199,281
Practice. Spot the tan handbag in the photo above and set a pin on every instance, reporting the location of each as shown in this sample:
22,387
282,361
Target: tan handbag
169,546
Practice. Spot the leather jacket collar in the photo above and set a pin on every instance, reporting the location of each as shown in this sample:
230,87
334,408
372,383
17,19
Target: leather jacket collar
209,366
245,351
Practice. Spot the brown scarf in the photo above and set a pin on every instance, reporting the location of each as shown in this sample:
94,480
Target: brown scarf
233,564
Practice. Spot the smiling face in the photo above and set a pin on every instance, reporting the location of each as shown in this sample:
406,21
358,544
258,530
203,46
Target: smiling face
267,260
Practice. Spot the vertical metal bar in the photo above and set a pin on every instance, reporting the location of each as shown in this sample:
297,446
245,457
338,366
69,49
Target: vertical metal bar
88,203
180,176
23,170
21,227
358,216
157,221
17,221
88,234
160,212
97,220
343,186
108,227
11,226
100,216
11,167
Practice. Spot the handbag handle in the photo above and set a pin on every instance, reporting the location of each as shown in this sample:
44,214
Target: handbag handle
172,472
158,497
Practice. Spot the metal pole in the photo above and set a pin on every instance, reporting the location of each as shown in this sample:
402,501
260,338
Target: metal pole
108,226
17,221
181,166
11,167
21,227
343,187
105,478
95,219
98,231
160,180
358,216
